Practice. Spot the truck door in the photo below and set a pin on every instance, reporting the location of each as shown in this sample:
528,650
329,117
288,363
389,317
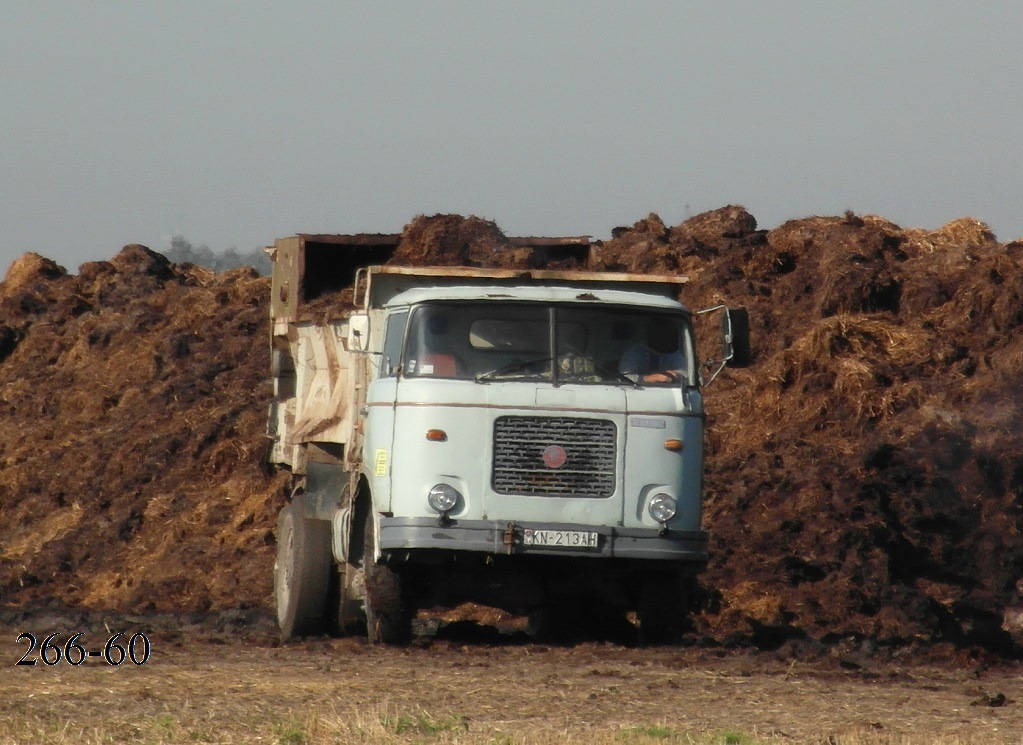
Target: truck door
380,399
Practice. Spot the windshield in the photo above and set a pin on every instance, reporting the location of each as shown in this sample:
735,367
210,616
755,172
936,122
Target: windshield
513,341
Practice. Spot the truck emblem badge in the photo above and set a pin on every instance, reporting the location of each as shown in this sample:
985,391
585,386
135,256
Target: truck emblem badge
554,456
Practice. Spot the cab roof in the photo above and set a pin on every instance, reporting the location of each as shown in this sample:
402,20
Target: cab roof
533,294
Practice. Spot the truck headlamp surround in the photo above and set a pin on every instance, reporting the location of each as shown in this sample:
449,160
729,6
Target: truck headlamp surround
443,498
662,508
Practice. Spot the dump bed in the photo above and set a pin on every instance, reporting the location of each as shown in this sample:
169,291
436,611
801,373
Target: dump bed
317,277
308,268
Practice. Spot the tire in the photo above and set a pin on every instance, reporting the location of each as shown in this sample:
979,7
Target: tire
301,572
388,620
662,609
553,623
348,597
583,620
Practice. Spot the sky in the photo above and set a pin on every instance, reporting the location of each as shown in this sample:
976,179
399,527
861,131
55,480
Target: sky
231,124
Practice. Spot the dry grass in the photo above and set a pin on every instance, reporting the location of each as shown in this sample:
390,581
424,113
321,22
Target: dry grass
207,686
385,724
963,233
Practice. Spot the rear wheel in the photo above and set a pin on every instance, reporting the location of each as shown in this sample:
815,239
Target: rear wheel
301,572
388,618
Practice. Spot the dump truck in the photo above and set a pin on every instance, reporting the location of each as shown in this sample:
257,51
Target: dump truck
526,439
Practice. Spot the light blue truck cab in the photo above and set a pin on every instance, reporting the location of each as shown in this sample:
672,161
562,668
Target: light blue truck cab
529,440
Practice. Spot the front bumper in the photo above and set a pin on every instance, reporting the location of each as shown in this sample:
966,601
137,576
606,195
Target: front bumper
504,537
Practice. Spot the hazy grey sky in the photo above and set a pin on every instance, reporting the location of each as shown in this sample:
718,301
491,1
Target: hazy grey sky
234,123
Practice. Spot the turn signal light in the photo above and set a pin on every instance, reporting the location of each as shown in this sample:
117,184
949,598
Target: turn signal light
436,435
674,446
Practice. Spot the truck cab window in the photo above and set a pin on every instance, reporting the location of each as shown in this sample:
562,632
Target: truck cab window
434,348
512,343
488,341
599,345
392,343
661,352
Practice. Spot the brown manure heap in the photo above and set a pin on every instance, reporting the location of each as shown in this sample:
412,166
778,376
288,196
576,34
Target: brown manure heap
865,475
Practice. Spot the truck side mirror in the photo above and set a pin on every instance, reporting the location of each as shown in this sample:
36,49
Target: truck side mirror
358,332
735,337
735,342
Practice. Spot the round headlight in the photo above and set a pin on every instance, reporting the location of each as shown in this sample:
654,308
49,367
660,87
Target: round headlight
662,508
443,497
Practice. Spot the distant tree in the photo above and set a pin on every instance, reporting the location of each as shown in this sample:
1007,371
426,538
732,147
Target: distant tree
182,251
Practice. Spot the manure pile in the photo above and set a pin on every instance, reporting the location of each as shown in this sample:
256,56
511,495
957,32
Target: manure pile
865,475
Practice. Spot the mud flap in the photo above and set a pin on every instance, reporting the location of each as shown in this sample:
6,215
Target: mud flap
326,485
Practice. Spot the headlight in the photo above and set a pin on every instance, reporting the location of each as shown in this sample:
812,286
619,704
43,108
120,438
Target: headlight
443,497
662,508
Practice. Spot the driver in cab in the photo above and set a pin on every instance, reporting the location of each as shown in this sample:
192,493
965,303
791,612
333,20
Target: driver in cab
660,359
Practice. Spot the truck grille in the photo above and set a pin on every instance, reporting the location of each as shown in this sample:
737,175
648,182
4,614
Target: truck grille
554,456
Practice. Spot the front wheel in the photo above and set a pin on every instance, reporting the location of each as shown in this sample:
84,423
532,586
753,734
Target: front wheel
554,623
301,572
349,599
662,609
388,617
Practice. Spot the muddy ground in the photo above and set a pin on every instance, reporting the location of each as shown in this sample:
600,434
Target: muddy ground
864,479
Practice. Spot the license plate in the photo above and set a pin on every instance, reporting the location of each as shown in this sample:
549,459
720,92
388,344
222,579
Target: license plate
563,538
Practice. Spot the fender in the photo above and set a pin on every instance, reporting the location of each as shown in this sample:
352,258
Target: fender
347,524
342,531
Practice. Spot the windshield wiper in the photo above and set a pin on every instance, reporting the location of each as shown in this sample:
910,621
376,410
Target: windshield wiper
510,369
620,376
600,368
607,372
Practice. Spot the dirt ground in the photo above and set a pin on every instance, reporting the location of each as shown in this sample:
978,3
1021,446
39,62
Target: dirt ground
225,678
